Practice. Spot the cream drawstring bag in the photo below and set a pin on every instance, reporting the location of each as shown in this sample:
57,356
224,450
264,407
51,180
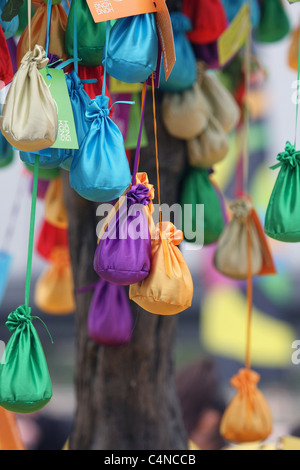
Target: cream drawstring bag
185,114
29,117
210,147
232,253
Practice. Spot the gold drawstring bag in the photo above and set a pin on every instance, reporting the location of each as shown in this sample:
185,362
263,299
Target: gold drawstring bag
185,114
29,118
223,105
54,290
248,417
210,147
55,209
231,256
168,289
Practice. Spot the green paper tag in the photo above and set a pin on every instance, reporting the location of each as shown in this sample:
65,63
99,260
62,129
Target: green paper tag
56,82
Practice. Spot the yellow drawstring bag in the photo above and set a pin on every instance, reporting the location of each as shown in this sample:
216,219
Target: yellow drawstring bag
185,114
55,210
168,289
54,290
248,417
210,147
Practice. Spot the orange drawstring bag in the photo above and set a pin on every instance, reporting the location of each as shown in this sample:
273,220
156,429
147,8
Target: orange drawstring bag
248,417
54,290
55,209
38,32
293,50
168,289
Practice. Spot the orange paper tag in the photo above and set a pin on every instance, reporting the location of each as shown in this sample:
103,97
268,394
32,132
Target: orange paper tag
166,38
104,10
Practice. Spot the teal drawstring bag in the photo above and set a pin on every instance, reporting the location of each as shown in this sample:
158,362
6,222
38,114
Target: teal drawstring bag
131,50
232,8
10,27
25,384
184,72
196,190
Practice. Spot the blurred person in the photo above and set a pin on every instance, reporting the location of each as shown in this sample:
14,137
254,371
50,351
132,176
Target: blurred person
202,405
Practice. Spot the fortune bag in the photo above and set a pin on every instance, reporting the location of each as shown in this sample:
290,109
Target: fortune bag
208,18
184,72
41,189
232,8
55,209
185,114
25,385
9,27
39,32
210,147
45,174
91,35
294,50
54,290
131,50
49,238
248,417
282,221
100,170
223,106
110,318
29,118
168,289
232,253
196,189
274,23
6,68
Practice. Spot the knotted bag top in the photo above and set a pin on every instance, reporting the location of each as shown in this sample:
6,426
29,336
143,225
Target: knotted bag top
35,57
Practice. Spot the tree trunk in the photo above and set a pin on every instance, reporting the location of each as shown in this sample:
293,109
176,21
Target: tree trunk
125,397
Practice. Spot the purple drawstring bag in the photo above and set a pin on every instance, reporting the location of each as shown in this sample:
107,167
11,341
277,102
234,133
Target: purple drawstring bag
110,318
123,254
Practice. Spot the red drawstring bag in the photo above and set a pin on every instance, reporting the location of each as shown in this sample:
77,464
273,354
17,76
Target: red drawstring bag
49,238
208,18
6,68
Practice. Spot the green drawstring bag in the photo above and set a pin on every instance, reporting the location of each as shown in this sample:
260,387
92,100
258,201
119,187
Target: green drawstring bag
25,385
134,125
90,35
282,221
274,23
196,189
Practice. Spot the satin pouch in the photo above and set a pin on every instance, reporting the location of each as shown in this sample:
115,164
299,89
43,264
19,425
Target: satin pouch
90,35
184,72
110,320
25,384
29,118
282,221
9,27
168,289
248,417
5,266
49,158
223,106
132,49
293,50
54,290
58,26
274,23
55,209
49,238
232,253
100,170
197,188
210,147
6,152
6,68
123,255
208,18
185,115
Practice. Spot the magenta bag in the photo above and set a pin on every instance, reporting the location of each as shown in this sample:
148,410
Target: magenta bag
123,254
110,319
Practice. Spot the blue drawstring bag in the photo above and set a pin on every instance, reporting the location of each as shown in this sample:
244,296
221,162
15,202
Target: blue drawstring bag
48,158
100,170
6,152
5,265
79,101
9,27
232,8
131,50
184,73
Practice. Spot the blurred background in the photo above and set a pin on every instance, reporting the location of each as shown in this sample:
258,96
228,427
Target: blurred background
215,326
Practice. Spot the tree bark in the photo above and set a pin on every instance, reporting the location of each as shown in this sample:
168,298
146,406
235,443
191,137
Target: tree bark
126,397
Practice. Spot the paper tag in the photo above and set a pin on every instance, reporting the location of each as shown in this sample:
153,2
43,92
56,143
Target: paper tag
165,34
67,136
116,86
231,41
104,10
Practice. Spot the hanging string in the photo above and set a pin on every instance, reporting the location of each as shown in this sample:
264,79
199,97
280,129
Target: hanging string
138,147
249,296
247,71
29,23
31,230
49,12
